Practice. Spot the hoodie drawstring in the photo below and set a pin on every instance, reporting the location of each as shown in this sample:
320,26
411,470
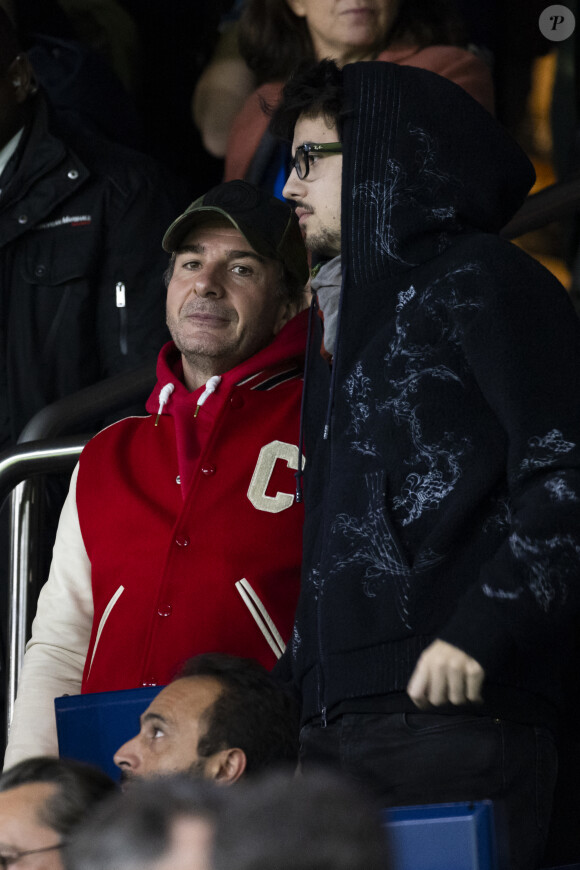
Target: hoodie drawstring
163,399
210,387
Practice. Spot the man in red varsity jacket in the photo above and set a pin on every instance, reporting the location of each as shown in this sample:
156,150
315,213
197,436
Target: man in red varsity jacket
181,532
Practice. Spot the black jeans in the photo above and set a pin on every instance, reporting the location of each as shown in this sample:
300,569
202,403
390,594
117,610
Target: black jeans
423,758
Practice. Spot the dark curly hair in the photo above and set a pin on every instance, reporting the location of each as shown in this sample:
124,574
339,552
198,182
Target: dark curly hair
313,89
253,712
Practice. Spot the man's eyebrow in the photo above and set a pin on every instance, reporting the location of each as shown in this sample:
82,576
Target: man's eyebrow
238,255
150,717
190,249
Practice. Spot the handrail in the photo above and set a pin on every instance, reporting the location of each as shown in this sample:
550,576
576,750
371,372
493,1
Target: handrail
555,202
17,465
38,457
91,404
38,452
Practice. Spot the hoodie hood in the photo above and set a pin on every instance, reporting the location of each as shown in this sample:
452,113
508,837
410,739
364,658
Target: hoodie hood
422,162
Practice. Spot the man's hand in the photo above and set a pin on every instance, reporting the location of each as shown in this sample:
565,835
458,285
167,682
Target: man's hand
445,674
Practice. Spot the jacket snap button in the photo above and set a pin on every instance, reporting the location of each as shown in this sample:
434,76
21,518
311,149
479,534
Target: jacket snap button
164,610
149,682
23,219
236,401
72,174
178,479
208,469
40,271
182,541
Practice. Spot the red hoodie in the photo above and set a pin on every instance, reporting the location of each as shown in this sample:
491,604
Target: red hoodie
190,521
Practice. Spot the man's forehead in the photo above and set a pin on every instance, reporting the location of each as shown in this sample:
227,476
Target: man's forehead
185,696
220,233
215,226
314,129
25,800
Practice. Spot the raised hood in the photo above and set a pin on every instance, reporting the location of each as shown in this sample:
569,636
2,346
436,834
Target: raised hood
422,162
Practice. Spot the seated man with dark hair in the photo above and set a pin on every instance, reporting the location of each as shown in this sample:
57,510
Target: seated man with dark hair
42,800
222,718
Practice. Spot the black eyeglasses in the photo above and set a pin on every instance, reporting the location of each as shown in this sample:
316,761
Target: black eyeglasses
302,155
7,860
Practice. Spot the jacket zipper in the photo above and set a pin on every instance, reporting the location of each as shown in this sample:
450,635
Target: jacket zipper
121,301
321,681
261,616
104,617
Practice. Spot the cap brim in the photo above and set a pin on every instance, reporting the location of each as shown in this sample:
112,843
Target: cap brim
180,227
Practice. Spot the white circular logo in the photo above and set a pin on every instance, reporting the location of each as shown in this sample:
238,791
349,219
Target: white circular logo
557,23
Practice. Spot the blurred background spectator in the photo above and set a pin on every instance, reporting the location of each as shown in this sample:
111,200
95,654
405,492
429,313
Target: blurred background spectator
317,821
275,36
157,825
42,801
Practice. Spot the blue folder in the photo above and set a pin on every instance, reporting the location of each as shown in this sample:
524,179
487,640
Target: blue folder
92,727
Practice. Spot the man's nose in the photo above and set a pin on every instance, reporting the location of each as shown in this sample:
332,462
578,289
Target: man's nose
208,282
294,187
127,757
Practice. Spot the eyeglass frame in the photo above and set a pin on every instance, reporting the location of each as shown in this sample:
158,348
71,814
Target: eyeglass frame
322,149
7,860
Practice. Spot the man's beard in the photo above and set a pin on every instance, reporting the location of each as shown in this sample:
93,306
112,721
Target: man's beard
197,769
324,243
127,779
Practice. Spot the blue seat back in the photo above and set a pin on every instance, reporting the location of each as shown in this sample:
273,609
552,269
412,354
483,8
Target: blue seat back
455,836
92,727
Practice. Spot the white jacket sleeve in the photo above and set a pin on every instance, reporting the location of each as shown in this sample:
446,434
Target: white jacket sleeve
56,653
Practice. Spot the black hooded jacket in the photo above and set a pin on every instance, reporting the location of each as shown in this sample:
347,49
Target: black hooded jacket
445,501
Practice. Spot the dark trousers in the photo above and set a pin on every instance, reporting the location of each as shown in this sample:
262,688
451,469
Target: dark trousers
423,758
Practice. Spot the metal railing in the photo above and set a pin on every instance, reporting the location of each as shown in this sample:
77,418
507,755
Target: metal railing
20,470
16,468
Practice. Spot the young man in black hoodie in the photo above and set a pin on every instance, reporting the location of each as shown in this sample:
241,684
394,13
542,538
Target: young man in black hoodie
442,489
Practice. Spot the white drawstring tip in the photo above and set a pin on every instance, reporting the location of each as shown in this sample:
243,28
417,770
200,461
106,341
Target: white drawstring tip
163,399
210,388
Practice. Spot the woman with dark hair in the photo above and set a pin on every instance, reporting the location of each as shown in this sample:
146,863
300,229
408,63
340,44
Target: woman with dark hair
275,36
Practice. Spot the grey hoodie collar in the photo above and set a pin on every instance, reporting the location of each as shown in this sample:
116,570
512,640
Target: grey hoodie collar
326,284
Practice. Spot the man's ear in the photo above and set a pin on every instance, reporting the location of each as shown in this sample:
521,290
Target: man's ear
22,78
287,312
297,7
226,766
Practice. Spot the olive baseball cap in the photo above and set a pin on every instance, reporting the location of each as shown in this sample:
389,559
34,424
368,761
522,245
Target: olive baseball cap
268,224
